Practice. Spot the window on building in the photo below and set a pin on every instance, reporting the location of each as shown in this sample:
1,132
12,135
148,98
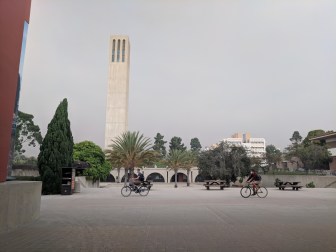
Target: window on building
118,51
113,50
123,50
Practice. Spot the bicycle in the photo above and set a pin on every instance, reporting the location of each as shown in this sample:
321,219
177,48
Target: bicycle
247,190
141,189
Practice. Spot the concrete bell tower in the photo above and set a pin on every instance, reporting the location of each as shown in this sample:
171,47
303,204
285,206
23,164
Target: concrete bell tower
117,94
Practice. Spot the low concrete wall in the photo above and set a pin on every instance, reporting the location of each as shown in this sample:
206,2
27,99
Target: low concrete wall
25,170
85,183
319,181
20,203
25,173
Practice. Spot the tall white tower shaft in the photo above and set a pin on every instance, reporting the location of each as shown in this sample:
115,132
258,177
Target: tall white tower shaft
117,95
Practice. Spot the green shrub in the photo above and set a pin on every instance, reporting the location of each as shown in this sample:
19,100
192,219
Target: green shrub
92,154
310,185
28,178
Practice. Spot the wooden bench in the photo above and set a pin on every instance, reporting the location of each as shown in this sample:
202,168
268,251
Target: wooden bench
295,185
215,183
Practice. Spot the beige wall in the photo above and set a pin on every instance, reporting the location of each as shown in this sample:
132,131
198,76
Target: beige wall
166,173
25,173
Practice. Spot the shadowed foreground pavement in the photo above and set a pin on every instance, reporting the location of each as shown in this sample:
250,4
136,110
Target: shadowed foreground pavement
182,219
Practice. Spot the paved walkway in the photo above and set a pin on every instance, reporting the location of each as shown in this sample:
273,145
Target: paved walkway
180,219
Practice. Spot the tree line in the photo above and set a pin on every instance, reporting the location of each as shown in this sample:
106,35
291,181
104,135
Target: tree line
132,149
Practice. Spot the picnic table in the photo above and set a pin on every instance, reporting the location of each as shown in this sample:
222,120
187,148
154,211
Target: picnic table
215,183
295,185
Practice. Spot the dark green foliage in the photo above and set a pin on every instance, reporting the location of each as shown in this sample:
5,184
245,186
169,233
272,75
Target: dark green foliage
26,132
296,138
27,178
273,156
56,150
195,145
161,163
313,155
292,149
238,161
312,134
176,144
206,164
224,162
310,185
159,144
22,159
213,163
257,164
91,153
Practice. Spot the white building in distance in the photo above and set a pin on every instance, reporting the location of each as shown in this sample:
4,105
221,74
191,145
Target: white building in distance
255,147
117,94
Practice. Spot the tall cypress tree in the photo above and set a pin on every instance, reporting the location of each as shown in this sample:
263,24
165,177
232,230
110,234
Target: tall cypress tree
56,150
176,144
159,144
195,145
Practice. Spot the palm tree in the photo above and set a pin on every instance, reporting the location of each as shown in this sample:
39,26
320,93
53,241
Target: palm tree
190,162
131,150
176,159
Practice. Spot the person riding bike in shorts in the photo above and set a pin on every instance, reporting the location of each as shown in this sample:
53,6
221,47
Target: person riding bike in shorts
255,179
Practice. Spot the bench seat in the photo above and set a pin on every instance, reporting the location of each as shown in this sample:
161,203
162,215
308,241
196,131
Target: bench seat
294,187
282,185
221,186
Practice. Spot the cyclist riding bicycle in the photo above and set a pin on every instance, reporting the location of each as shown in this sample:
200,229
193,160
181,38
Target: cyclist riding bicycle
138,179
255,179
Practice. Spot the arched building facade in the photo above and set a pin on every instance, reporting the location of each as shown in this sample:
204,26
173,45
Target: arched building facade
164,175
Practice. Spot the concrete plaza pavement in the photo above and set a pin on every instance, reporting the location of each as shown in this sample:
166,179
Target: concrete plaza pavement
180,219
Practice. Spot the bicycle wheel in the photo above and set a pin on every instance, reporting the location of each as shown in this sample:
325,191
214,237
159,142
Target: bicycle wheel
126,191
245,192
143,190
262,192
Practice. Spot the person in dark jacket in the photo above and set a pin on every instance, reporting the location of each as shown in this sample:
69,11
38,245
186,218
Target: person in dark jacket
255,179
138,179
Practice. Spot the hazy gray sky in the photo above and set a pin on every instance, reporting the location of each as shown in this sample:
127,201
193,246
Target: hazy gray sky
199,68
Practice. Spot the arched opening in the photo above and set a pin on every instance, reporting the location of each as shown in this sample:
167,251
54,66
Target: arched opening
180,177
200,178
155,177
110,178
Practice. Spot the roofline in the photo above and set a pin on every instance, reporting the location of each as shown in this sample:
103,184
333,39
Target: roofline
326,136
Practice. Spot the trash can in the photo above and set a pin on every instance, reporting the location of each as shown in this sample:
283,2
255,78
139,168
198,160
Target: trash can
66,190
77,186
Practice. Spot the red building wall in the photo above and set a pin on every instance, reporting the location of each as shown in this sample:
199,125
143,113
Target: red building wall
13,13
